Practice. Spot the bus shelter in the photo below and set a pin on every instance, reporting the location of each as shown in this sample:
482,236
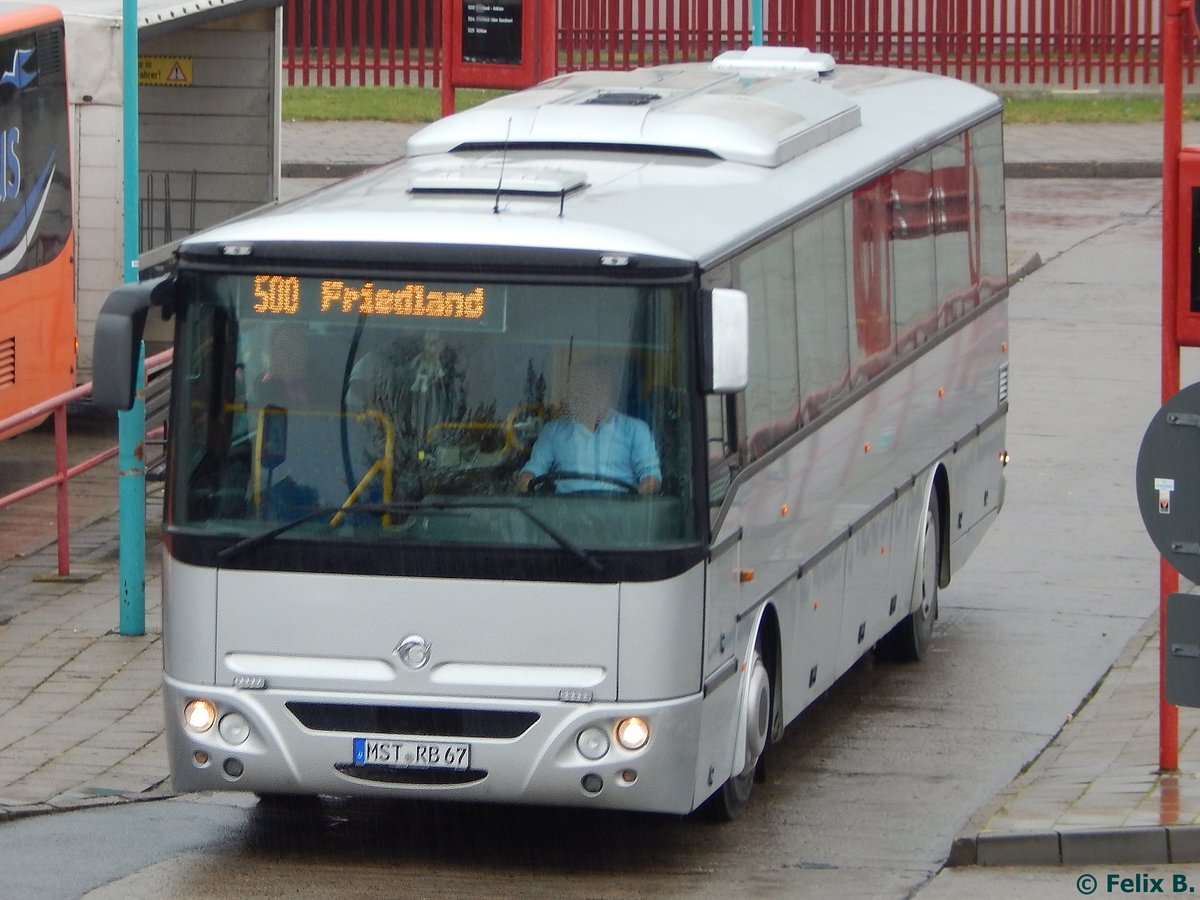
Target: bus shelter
208,124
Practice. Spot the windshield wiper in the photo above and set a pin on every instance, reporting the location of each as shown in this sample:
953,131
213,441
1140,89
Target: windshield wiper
554,534
264,537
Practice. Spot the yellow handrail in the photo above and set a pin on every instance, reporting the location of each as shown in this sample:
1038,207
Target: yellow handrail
382,465
508,426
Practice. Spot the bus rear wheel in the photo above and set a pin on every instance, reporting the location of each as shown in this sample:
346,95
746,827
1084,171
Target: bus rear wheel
734,795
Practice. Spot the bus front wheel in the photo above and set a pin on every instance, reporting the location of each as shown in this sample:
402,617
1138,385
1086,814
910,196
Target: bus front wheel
733,796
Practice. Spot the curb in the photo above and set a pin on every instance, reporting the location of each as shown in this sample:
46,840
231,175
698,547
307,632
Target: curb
1145,845
11,812
326,170
1030,265
1133,168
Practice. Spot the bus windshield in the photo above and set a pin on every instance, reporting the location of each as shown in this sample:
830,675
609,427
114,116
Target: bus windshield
472,413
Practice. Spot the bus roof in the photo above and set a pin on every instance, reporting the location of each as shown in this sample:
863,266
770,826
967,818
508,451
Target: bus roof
18,16
155,17
689,161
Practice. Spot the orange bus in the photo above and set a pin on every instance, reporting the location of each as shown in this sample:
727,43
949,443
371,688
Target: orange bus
38,342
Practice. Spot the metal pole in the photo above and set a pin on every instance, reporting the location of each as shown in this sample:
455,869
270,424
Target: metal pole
548,40
129,130
131,468
131,424
447,65
1172,77
756,23
61,465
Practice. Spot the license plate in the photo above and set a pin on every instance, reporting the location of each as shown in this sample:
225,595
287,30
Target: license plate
412,754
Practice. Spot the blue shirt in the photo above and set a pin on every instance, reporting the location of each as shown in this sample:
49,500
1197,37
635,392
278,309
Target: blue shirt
621,447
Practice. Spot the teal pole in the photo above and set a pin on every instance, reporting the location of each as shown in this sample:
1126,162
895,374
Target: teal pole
756,23
131,467
131,424
129,129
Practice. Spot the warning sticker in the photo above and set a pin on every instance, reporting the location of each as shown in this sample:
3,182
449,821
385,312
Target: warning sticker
165,71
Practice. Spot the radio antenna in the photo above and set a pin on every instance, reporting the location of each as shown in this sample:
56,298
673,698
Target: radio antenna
503,159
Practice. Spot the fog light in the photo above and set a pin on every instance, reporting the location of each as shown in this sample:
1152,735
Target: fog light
200,758
633,733
234,728
592,742
233,767
629,776
199,715
592,783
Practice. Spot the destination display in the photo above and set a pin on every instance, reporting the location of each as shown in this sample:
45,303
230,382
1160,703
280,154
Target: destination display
491,31
333,298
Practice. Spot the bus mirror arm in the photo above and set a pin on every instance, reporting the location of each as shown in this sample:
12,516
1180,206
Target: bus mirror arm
725,319
118,336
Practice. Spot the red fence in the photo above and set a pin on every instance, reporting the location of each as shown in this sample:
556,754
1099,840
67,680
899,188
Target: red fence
1053,43
63,471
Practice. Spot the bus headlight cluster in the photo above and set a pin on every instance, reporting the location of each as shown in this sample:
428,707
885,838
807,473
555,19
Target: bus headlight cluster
200,715
594,742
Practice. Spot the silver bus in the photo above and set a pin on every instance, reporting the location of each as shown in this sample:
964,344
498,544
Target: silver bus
400,558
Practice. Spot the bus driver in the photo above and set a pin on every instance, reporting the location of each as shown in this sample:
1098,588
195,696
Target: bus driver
594,447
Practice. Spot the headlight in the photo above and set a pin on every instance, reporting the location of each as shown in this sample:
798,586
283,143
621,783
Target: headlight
199,715
633,733
592,742
234,728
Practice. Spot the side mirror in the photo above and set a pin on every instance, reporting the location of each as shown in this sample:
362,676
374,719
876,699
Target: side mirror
117,341
727,344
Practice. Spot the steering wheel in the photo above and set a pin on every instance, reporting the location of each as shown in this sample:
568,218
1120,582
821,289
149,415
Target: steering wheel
548,481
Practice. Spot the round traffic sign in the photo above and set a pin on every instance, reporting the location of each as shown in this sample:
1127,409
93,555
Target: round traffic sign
1168,481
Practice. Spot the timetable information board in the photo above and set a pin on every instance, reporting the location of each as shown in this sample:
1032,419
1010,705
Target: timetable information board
491,31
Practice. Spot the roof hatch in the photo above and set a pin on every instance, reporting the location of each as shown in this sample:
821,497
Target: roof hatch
498,180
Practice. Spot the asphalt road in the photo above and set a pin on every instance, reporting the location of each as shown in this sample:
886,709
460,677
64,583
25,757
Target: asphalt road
870,787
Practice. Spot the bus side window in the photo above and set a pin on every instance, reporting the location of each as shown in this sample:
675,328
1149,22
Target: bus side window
987,173
768,275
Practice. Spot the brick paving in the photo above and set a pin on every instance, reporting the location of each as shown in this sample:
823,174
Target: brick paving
80,704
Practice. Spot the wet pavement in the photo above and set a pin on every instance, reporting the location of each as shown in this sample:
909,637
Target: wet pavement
80,707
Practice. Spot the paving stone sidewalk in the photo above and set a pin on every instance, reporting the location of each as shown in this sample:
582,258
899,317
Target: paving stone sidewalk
80,704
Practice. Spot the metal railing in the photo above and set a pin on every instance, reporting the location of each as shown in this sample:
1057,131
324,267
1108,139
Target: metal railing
157,397
1049,43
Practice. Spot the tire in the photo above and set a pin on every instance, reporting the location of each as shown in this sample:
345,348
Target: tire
732,798
912,637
